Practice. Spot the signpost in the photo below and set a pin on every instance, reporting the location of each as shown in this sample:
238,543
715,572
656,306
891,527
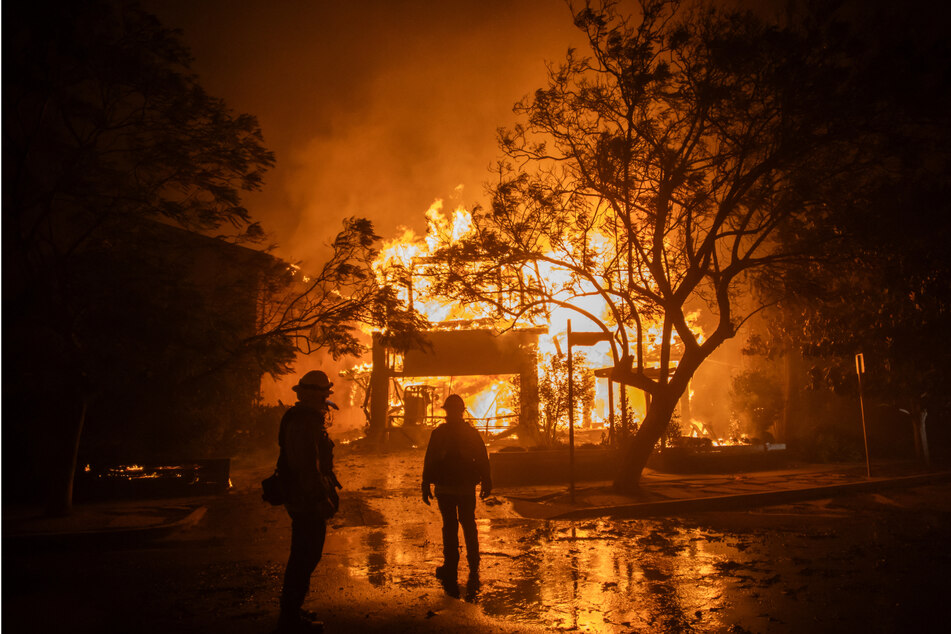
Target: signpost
571,422
860,370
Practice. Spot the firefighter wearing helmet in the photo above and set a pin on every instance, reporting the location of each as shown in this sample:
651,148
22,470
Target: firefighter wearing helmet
456,461
307,477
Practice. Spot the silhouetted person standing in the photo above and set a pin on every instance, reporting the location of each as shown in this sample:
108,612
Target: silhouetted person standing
456,461
306,470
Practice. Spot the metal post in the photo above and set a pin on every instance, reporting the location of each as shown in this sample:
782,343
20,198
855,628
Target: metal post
924,437
859,370
611,437
571,422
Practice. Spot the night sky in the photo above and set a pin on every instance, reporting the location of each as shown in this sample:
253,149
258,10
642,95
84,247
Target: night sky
374,108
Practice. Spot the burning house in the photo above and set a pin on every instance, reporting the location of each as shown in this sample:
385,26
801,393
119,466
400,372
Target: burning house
509,354
512,374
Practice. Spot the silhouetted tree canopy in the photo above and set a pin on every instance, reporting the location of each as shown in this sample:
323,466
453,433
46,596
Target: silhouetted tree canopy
692,152
127,293
321,310
883,284
105,130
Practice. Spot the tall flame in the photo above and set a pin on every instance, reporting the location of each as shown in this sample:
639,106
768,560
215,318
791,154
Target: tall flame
401,262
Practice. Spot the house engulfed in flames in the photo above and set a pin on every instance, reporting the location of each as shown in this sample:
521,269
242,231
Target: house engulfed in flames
496,366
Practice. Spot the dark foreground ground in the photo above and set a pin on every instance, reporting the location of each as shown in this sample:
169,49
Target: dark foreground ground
876,562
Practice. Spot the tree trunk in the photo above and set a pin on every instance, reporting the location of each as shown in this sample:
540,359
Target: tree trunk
528,430
634,456
61,497
789,390
529,435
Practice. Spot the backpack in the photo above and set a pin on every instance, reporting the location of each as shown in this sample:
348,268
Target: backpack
272,490
459,466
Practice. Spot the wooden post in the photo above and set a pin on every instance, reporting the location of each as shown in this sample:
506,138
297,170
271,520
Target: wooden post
379,390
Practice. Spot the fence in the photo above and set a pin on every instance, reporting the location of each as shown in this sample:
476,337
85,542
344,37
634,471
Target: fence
487,425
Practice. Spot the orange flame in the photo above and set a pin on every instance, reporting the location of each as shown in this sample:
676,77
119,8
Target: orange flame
402,260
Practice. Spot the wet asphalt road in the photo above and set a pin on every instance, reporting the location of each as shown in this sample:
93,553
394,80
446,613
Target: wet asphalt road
872,563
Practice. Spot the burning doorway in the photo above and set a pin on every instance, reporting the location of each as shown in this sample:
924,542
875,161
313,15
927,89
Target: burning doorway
455,353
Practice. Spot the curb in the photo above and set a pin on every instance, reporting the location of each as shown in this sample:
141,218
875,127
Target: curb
748,500
105,536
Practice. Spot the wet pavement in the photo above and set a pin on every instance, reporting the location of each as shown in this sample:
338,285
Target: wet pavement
873,559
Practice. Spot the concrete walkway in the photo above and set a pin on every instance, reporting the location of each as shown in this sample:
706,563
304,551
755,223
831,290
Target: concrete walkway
670,494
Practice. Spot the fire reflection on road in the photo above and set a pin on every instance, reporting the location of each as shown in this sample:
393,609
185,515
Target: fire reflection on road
375,547
621,574
600,576
597,575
